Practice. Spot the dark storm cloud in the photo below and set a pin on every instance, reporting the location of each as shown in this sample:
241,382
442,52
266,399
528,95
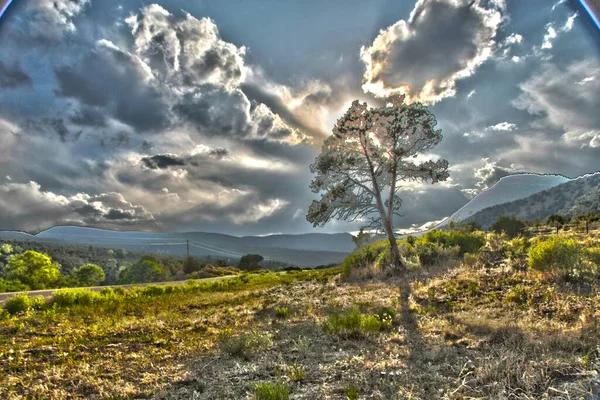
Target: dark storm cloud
89,116
218,153
115,214
163,161
12,77
118,82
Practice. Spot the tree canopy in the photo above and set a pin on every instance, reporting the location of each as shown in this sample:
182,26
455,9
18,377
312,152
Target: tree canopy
361,164
88,275
250,262
36,270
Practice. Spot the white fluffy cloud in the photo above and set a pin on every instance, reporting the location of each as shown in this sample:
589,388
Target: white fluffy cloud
443,41
53,19
189,51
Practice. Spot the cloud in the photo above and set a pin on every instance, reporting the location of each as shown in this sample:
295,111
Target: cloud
53,19
26,206
502,126
162,161
566,98
491,172
12,77
189,51
119,84
443,41
217,111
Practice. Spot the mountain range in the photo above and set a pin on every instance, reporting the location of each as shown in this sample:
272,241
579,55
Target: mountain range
306,250
527,196
576,196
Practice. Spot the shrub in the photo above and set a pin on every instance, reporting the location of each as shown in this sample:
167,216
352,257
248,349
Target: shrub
19,303
355,325
152,290
430,254
12,286
281,312
72,297
510,225
37,302
245,344
271,391
467,242
556,256
351,393
295,372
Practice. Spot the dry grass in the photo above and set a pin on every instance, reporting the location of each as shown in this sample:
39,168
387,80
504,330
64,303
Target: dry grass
455,334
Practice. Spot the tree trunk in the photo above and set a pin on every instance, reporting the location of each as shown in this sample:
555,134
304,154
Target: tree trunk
394,251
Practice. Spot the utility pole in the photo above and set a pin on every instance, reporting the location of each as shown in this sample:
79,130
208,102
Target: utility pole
187,244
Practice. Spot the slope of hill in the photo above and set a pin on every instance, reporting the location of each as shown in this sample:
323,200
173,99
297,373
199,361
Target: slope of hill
304,250
15,235
507,189
573,197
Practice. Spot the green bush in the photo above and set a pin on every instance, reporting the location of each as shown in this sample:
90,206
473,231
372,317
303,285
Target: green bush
467,242
510,225
12,286
282,312
352,393
271,391
556,256
355,325
430,254
19,303
72,297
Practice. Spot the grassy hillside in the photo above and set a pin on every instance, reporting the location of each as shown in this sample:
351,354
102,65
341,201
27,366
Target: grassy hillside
481,323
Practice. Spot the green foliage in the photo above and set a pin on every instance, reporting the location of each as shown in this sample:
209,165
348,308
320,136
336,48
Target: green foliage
467,242
556,220
361,239
510,225
76,297
245,344
12,286
271,391
17,304
250,262
34,269
282,312
191,264
88,275
148,269
555,256
6,249
295,372
355,325
430,254
352,392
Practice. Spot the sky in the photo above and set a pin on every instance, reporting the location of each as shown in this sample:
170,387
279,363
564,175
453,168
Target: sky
205,115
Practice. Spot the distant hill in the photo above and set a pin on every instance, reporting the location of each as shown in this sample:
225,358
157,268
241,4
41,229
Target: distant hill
304,250
15,235
570,198
507,189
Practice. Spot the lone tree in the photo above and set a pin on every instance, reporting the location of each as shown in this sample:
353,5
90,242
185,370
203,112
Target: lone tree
250,262
363,161
88,275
